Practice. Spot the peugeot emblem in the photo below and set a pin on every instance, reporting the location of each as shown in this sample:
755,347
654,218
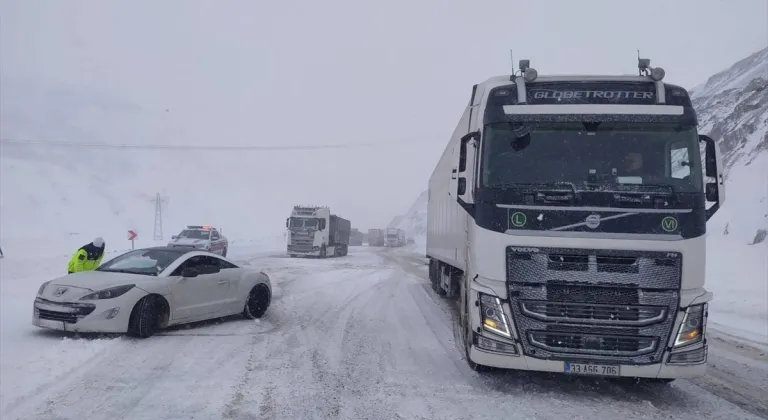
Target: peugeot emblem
593,221
60,291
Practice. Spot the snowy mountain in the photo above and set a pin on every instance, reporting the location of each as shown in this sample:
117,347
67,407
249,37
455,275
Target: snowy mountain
414,222
733,108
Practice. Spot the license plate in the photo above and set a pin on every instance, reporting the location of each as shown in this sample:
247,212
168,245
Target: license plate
591,369
47,323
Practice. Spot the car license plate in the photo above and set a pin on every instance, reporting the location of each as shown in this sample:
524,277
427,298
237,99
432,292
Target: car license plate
591,369
47,323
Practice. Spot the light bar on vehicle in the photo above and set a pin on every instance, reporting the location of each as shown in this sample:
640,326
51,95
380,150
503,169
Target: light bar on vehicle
203,227
530,75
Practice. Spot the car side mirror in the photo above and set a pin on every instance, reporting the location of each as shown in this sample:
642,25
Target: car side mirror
189,272
711,192
174,237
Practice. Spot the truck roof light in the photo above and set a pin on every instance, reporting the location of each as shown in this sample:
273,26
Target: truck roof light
657,74
644,67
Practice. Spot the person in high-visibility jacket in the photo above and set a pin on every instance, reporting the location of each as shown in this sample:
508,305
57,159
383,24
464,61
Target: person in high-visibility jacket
88,257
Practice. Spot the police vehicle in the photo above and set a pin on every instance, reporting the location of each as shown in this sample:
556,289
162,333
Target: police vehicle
204,237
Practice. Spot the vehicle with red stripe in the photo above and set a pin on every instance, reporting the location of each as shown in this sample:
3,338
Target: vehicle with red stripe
203,237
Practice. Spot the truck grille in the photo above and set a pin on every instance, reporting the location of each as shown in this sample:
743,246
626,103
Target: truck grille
606,305
593,313
301,242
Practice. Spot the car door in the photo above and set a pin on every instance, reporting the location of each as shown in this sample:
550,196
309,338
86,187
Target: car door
233,274
217,246
201,296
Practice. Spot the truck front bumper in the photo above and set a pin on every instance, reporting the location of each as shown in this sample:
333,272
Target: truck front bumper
521,362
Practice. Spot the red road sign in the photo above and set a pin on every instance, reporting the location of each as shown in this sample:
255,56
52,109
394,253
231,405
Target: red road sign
131,235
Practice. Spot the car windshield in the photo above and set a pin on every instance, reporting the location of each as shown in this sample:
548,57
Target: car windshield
194,234
612,153
150,262
309,222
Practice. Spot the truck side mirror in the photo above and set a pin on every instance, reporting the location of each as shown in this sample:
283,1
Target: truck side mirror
475,135
462,186
711,192
710,157
287,220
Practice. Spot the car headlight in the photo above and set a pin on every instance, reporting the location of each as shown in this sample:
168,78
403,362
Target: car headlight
110,293
42,288
492,316
692,329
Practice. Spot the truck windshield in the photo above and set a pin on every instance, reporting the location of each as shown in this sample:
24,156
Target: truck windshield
658,155
308,222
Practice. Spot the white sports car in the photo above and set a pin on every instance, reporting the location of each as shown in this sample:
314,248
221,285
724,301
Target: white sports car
145,290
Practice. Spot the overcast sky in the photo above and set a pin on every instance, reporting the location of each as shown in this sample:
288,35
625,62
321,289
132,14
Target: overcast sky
317,72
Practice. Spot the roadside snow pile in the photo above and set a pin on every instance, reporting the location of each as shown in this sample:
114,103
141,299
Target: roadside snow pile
737,274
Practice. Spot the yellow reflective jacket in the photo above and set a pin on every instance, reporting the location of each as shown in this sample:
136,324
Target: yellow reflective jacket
87,258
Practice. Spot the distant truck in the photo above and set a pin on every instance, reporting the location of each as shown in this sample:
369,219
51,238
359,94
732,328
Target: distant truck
356,238
314,231
395,237
375,237
203,237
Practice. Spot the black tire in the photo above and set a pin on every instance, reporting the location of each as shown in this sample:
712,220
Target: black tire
468,337
224,252
257,302
145,317
323,252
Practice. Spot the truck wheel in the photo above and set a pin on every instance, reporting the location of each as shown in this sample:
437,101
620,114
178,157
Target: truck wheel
323,252
224,253
434,277
344,250
467,328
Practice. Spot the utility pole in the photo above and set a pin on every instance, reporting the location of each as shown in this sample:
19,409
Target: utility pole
159,201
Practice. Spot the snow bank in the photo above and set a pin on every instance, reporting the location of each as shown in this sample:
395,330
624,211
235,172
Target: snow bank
737,274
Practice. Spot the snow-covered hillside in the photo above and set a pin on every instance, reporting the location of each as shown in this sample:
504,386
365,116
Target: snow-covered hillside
733,108
414,222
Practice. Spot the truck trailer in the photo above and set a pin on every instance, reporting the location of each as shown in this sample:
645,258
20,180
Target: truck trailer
567,216
314,231
355,238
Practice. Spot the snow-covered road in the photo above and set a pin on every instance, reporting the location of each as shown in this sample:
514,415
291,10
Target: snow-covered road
359,337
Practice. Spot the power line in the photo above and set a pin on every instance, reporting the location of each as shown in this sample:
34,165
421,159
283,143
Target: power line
199,147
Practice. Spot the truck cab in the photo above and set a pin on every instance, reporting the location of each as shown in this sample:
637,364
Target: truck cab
568,215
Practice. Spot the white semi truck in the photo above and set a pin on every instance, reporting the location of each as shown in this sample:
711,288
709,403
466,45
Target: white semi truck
394,237
567,216
314,231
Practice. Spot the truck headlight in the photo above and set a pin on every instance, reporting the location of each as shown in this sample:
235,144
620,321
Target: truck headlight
492,316
692,329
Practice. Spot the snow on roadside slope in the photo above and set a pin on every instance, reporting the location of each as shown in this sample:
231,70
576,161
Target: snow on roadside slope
737,275
31,358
